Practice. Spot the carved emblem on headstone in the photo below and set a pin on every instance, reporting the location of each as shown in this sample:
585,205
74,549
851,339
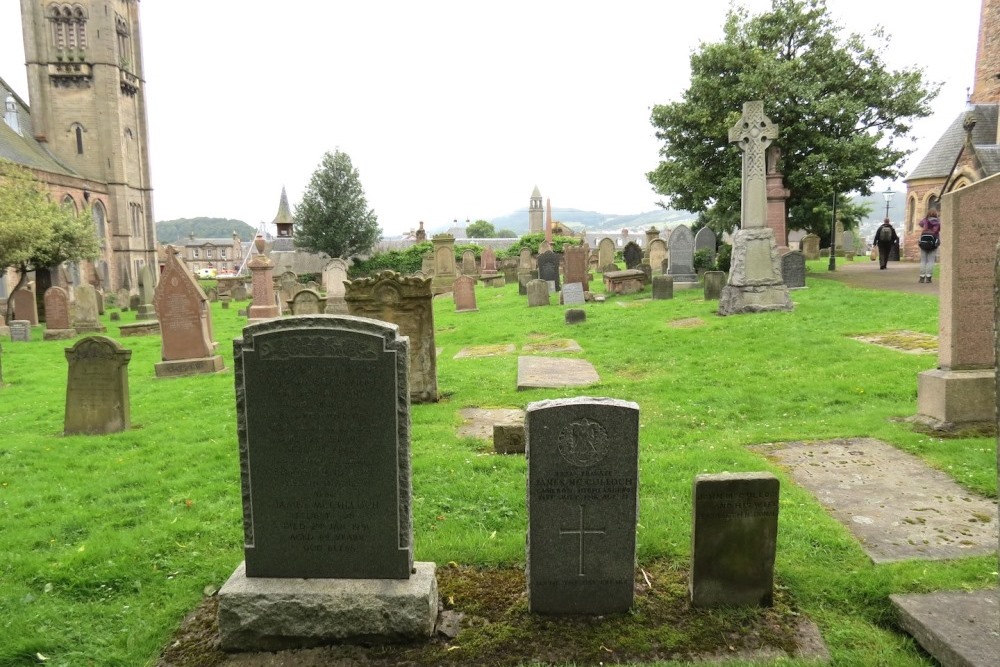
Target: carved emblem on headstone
583,443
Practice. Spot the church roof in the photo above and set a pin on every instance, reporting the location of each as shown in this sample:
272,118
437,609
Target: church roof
284,216
938,162
22,148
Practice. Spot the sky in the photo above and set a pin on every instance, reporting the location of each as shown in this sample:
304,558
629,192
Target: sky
449,109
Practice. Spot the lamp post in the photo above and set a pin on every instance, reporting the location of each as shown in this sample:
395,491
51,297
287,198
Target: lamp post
888,195
833,236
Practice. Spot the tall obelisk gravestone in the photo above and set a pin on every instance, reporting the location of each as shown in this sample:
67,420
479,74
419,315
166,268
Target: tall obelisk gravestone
755,283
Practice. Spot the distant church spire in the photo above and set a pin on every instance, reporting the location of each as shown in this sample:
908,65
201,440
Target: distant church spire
283,221
535,212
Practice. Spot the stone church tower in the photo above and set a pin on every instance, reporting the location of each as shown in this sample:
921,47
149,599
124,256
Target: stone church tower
88,109
535,213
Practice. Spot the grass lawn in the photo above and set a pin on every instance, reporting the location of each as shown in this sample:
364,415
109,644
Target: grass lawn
108,541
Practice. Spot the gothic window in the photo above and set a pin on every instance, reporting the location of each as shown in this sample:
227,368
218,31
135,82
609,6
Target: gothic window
135,212
69,26
69,203
79,139
124,47
100,217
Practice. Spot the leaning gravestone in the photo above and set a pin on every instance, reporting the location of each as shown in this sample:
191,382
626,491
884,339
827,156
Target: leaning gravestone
97,399
733,540
464,292
548,268
681,260
705,239
305,302
327,507
182,308
407,303
793,269
84,310
538,293
632,254
57,315
572,294
583,456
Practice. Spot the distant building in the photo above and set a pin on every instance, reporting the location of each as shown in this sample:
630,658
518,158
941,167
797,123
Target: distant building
223,255
536,213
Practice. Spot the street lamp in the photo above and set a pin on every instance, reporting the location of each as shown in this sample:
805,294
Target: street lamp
833,235
888,195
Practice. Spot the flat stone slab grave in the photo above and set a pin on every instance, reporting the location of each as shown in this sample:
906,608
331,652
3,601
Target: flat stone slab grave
897,506
911,342
479,422
561,345
484,351
958,628
554,372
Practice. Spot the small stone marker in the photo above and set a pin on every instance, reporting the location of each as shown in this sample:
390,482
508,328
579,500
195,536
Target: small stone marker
663,287
714,282
733,540
583,457
20,331
508,438
572,294
326,496
538,293
576,316
115,316
554,373
793,269
464,293
97,399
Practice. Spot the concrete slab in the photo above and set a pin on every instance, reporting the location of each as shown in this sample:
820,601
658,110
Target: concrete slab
479,422
562,345
484,351
895,504
958,628
554,372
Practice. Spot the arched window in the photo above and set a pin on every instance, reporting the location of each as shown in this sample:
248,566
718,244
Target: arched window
70,203
78,131
68,26
100,219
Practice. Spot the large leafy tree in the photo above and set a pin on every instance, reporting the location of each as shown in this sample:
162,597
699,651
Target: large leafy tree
840,110
36,232
333,216
481,229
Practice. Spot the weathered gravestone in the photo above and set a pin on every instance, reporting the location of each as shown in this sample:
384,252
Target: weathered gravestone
488,259
25,305
239,292
212,294
97,399
576,265
469,263
538,293
288,285
134,301
182,308
663,287
583,456
548,268
733,540
605,253
57,315
847,242
407,303
20,331
334,275
647,273
84,310
810,246
632,254
705,239
575,316
306,302
657,252
681,261
444,263
327,517
572,294
464,292
264,302
714,282
793,269
628,281
427,264
122,299
147,290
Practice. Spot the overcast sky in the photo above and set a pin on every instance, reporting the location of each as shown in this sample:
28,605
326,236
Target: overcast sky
449,110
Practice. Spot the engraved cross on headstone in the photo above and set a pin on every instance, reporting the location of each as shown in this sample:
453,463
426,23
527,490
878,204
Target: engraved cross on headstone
753,134
581,532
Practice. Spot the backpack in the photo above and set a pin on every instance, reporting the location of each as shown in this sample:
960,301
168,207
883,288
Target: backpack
885,234
928,241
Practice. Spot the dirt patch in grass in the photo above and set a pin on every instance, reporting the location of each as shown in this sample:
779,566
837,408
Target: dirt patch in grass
497,630
687,323
911,342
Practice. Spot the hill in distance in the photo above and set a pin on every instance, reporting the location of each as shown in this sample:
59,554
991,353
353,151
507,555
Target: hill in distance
592,220
171,231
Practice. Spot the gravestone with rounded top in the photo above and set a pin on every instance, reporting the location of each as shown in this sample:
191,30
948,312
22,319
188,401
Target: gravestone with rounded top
288,285
469,267
657,252
548,268
25,305
464,290
605,253
681,266
57,315
705,239
84,310
306,302
185,319
632,254
334,275
810,246
583,456
97,399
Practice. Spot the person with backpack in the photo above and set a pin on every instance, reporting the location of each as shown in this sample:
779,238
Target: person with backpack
930,239
885,239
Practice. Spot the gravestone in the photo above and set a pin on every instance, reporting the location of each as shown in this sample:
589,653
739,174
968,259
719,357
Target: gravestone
509,268
632,254
288,285
647,273
212,294
681,266
755,283
20,331
469,263
810,246
508,438
961,391
522,283
657,252
538,293
263,304
334,275
305,302
147,290
134,301
793,269
327,518
609,267
548,268
572,294
705,239
575,257
122,298
239,292
84,310
427,264
583,456
525,263
182,308
733,540
464,289
847,242
407,303
57,315
444,263
605,253
663,288
25,305
488,260
575,316
97,399
714,282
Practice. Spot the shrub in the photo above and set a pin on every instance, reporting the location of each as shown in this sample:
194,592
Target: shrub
703,260
403,261
532,241
724,258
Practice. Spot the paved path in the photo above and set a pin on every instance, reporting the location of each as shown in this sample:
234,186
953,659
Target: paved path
864,273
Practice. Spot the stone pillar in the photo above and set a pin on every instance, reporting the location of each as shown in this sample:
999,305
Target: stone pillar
777,194
444,263
264,306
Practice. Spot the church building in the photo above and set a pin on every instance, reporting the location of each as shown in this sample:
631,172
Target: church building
84,135
969,150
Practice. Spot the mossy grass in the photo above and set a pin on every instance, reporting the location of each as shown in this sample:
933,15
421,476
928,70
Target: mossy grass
108,541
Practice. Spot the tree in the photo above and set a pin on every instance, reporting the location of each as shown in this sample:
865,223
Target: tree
36,232
506,233
480,229
333,216
840,112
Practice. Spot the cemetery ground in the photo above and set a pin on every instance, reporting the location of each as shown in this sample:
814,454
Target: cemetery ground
109,542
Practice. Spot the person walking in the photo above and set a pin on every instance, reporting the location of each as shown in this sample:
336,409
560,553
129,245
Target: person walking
930,239
885,239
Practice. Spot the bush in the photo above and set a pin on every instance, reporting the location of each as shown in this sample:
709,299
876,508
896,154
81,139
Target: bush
403,261
703,260
724,258
532,241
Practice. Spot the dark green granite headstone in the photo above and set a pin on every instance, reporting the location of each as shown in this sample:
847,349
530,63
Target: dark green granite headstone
323,421
583,463
735,530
